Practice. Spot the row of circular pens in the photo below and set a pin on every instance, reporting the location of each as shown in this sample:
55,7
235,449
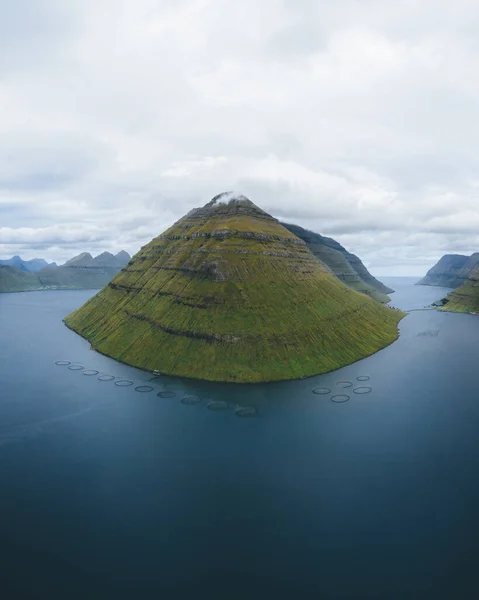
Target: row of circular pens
216,405
339,398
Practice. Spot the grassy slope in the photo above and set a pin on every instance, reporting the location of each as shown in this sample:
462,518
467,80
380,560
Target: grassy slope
466,297
13,280
229,308
343,264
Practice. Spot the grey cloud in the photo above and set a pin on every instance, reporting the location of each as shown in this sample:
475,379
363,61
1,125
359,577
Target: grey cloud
355,119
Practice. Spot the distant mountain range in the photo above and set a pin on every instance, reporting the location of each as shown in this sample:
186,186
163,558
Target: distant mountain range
27,266
106,259
81,272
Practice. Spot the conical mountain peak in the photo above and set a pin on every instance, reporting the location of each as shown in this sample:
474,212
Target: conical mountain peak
230,198
228,204
228,294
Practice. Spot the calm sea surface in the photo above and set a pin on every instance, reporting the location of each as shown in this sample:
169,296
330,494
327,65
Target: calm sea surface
109,492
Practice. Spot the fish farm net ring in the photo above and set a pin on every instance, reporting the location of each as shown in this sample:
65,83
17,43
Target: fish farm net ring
63,363
90,372
217,405
321,391
339,399
246,411
344,384
362,390
76,367
143,388
190,400
105,378
166,394
124,383
363,378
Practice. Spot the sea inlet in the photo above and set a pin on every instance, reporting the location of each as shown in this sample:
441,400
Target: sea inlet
362,483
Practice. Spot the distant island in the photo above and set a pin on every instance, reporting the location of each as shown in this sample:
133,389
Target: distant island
229,294
81,272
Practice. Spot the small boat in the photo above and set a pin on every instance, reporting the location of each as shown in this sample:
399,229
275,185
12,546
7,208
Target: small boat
156,373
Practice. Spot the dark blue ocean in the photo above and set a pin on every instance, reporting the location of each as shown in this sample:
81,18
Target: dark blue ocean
109,492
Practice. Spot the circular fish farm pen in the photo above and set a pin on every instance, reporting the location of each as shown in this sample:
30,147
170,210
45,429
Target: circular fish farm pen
143,388
124,383
63,363
190,400
166,394
105,378
362,390
340,398
363,378
246,411
344,384
321,391
90,372
217,405
76,367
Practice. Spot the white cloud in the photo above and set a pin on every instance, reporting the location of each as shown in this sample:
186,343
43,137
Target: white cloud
354,119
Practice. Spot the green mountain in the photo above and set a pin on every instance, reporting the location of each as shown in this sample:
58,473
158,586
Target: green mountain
346,266
451,271
228,294
13,280
465,298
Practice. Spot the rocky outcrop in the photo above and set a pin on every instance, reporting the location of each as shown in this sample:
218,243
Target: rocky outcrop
228,294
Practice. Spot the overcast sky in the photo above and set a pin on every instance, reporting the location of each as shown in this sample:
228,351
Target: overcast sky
357,119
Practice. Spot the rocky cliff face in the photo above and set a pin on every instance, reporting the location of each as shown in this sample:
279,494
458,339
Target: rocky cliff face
345,266
229,294
451,271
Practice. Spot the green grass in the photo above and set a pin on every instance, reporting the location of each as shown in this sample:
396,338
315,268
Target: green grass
465,299
274,311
